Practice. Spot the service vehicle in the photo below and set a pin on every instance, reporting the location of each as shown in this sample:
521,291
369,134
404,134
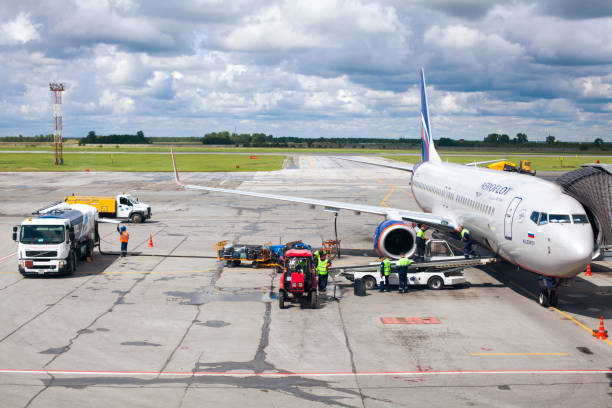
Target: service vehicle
122,206
298,282
440,267
523,166
235,254
55,241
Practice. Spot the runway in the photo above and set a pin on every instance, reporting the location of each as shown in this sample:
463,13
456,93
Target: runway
187,331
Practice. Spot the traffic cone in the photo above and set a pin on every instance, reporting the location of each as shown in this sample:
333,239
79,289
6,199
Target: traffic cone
150,241
87,169
588,270
602,333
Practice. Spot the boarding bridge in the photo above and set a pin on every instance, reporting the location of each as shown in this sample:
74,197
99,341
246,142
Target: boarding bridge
592,186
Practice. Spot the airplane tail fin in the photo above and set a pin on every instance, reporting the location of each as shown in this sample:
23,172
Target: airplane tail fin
428,150
176,175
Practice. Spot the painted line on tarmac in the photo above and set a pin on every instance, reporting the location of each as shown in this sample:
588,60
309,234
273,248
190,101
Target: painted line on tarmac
558,311
387,196
8,256
577,322
527,291
309,374
519,354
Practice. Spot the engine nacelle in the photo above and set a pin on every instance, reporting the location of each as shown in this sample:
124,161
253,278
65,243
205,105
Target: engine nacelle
392,238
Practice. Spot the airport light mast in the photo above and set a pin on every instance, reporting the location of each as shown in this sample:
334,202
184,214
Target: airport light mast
57,89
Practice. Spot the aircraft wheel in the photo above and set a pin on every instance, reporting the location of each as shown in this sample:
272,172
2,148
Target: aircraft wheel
543,299
435,283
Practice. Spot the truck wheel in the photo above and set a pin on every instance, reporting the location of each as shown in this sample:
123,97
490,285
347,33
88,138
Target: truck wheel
370,282
281,299
136,218
314,298
435,283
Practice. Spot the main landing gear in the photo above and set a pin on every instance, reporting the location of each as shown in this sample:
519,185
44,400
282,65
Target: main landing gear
549,291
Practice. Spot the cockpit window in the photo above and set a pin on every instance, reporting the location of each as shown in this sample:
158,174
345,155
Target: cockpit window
559,219
534,217
580,219
543,219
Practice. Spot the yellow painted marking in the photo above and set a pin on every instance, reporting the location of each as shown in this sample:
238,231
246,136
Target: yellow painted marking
578,323
311,162
387,196
147,272
530,293
519,354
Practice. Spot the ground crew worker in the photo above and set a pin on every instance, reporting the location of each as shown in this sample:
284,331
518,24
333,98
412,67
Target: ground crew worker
124,237
322,266
385,272
466,237
318,253
402,273
420,242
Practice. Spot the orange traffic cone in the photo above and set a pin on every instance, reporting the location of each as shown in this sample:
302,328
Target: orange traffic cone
150,240
602,333
87,169
588,270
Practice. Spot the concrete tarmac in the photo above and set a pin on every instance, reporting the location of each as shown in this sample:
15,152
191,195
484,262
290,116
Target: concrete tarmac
186,331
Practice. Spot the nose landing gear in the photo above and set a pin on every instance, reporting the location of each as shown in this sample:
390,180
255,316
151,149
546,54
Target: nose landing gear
549,291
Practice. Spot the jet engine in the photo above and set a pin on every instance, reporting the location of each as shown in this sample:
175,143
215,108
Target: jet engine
393,237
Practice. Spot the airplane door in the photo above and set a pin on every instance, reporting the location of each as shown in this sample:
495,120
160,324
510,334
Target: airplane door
509,217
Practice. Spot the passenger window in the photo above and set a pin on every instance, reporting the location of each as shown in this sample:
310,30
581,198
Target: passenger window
543,219
559,219
534,217
580,219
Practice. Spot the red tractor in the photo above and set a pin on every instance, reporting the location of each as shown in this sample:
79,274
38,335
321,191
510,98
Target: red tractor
299,280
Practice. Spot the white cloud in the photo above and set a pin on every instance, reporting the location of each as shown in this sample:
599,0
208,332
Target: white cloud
18,31
115,103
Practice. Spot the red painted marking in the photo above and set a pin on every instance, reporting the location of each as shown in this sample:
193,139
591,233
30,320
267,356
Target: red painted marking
410,320
395,374
253,157
8,256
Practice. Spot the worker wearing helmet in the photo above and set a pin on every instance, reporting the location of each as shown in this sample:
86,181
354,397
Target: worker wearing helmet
124,237
322,265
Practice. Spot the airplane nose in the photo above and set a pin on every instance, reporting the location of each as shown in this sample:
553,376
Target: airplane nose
576,250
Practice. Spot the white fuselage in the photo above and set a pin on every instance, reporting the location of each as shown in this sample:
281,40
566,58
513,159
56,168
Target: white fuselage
528,221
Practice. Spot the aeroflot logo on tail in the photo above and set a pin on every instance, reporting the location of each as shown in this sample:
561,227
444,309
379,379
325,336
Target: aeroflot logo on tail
495,188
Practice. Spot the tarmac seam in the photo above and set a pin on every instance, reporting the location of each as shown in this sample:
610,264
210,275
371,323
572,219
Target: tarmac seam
350,350
79,332
45,310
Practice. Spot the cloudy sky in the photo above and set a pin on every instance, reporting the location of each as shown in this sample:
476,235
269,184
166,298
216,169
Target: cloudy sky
345,68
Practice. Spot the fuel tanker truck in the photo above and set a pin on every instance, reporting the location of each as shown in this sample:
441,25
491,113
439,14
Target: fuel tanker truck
53,242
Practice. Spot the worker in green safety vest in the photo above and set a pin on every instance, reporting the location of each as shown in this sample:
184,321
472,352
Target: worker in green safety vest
322,264
420,243
385,272
466,237
402,272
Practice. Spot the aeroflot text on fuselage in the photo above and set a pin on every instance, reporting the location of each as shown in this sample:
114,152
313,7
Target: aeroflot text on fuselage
496,188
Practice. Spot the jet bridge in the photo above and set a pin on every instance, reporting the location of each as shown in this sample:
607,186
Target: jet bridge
591,185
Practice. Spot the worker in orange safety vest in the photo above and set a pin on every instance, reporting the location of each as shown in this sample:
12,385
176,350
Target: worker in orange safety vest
124,237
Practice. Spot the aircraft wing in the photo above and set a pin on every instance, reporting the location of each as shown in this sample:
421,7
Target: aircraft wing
396,166
334,206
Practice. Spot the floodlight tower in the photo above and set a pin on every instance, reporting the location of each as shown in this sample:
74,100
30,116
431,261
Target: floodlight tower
57,89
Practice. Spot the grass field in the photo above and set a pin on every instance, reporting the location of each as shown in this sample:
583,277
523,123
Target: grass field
73,148
538,163
139,162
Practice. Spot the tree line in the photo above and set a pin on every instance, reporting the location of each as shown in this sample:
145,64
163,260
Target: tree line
92,138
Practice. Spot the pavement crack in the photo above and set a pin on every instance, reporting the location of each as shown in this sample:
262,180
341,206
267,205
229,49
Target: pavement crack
118,301
45,309
12,284
47,384
350,350
195,319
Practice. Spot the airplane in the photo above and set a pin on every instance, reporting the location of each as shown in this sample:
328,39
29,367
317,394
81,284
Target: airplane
527,221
